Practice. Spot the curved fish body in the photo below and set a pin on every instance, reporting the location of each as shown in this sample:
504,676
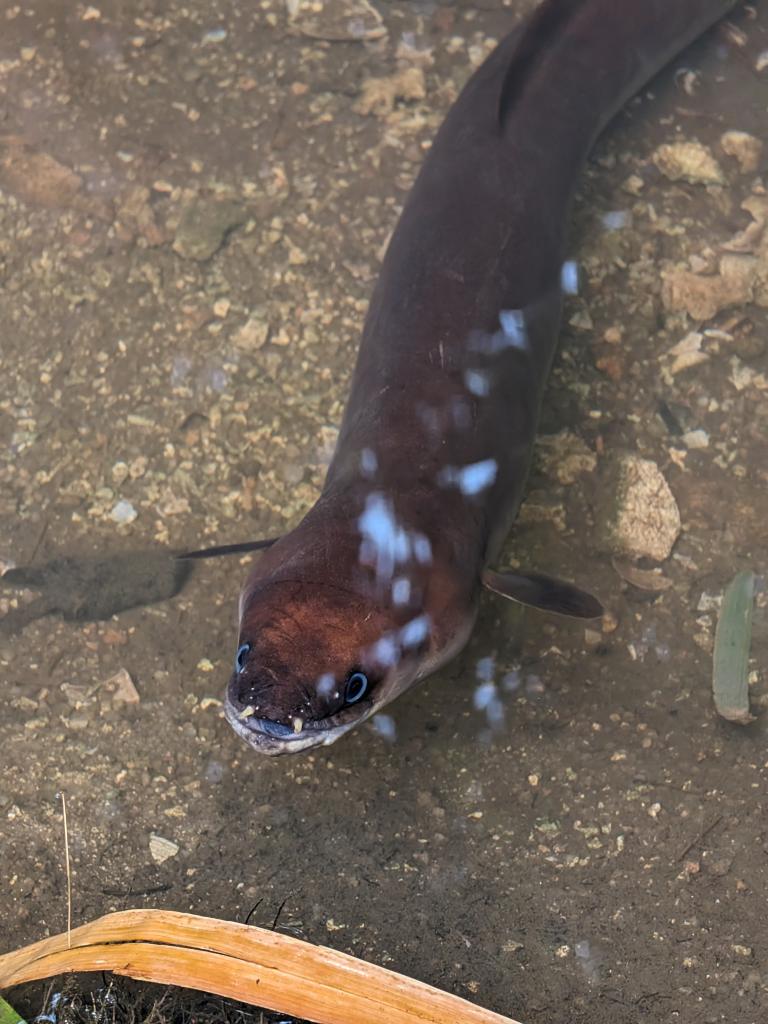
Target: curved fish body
379,584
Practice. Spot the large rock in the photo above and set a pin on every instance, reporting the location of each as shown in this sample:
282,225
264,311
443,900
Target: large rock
638,515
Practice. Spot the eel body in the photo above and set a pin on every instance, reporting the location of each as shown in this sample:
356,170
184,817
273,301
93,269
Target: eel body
379,584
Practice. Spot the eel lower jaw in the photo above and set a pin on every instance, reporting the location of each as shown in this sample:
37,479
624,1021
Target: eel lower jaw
274,738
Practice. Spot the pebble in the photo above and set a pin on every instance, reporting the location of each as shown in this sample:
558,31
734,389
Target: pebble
565,456
688,161
214,772
214,35
123,688
695,439
745,148
337,20
640,516
123,512
379,95
162,849
203,226
252,335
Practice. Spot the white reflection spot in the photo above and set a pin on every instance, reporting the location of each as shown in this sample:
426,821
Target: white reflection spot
483,695
385,652
368,462
422,549
384,725
569,277
415,631
385,543
534,687
486,698
470,479
484,668
325,685
511,681
478,383
615,220
401,590
513,334
513,325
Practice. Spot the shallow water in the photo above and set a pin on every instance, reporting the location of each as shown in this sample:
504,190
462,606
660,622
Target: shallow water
557,825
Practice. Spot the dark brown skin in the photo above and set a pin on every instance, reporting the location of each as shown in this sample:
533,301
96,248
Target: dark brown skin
379,584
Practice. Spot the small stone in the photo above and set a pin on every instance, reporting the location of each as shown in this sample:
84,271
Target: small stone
746,952
28,53
162,849
565,456
687,353
38,178
512,947
581,320
688,161
221,308
612,366
337,20
214,35
123,512
214,772
634,185
380,94
743,376
122,688
745,148
644,579
253,334
138,467
695,439
702,296
203,227
119,473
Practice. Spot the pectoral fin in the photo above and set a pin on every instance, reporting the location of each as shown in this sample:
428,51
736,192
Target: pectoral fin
544,592
227,549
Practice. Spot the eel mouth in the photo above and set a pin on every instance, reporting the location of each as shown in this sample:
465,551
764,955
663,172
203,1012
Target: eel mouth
271,737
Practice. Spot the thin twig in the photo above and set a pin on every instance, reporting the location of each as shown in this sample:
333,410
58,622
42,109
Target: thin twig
701,836
69,872
279,911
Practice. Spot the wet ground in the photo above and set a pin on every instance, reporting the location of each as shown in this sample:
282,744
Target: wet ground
601,853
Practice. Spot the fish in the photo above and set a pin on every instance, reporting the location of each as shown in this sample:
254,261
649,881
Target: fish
378,586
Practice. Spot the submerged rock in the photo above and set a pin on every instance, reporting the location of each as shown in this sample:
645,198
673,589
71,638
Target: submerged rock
639,516
688,161
204,225
337,21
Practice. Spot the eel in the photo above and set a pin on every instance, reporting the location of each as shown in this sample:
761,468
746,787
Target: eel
379,584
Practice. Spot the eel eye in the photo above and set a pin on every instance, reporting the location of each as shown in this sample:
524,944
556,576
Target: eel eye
242,656
356,688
